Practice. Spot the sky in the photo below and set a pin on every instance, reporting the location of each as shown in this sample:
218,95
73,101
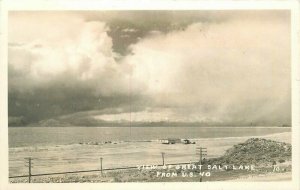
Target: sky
181,66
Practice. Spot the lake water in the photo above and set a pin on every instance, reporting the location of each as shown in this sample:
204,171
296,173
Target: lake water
40,136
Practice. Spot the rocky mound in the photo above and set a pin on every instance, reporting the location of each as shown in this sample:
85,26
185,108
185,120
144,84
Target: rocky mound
257,151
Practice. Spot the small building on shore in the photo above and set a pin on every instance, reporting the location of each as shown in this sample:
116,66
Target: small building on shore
170,141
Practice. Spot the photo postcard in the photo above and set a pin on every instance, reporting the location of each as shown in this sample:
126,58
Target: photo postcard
151,96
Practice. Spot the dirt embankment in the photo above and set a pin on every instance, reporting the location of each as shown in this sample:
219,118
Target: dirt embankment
256,151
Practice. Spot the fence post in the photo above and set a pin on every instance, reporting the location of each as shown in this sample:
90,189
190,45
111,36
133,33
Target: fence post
200,162
163,158
202,153
29,168
101,164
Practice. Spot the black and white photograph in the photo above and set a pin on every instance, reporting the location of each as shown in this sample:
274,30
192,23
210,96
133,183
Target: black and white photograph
120,96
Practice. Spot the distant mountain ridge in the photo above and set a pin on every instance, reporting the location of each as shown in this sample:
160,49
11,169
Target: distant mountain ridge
59,122
75,120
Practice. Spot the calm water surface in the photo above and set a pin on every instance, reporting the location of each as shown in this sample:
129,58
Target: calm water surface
37,136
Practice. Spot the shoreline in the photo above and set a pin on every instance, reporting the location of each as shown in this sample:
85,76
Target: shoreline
273,135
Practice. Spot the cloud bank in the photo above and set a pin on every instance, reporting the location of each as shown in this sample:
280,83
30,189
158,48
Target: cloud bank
236,70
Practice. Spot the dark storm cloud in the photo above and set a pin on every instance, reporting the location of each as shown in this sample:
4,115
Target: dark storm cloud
62,95
49,102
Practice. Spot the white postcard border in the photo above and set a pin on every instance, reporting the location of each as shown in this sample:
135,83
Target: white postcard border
152,5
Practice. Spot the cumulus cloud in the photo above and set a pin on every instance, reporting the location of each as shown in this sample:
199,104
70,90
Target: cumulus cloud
88,56
64,72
